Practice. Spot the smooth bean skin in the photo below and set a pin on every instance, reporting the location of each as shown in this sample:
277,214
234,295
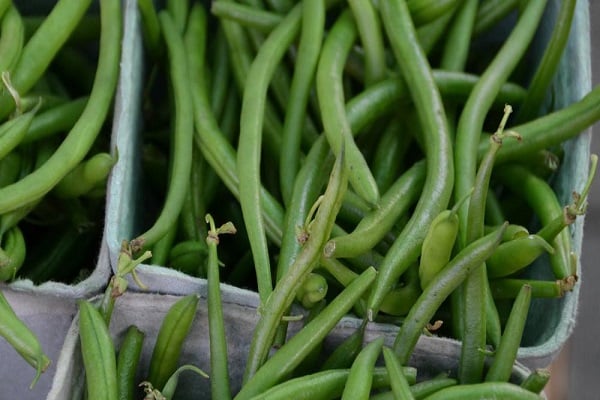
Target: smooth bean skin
291,353
169,342
399,384
307,259
506,353
83,134
22,339
482,391
97,350
127,362
440,168
347,351
536,380
359,381
12,254
440,288
516,254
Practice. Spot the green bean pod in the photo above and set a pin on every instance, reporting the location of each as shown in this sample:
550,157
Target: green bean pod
168,391
440,168
487,390
440,288
346,352
400,386
22,339
508,288
312,290
330,93
127,362
283,294
506,353
516,254
536,380
83,134
169,342
12,132
358,385
97,350
12,37
54,120
12,254
292,353
85,177
246,15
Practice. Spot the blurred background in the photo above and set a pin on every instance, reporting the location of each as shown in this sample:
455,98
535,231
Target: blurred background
576,372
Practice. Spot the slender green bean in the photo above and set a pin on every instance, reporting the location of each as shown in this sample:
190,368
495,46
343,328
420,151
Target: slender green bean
290,354
247,16
81,137
283,294
182,140
309,48
358,385
398,381
249,143
506,353
127,362
549,62
487,390
369,31
12,37
330,93
43,46
440,288
440,169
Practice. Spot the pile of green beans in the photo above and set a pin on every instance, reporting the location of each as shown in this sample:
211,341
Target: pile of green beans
248,107
59,72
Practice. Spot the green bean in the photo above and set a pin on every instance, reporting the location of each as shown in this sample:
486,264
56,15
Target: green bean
247,16
169,342
150,27
54,120
516,254
399,300
178,10
12,254
290,354
506,353
549,62
86,176
217,151
10,169
4,6
249,143
477,316
373,226
508,288
346,352
471,121
220,77
168,390
400,386
182,140
423,11
97,350
551,129
43,46
12,37
431,33
491,12
390,154
369,31
438,244
426,388
13,131
75,146
536,380
313,23
312,290
127,362
219,386
161,248
438,182
330,93
487,390
472,256
22,339
358,385
541,198
285,289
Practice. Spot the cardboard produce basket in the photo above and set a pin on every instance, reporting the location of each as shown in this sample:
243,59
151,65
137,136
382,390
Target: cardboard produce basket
550,322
